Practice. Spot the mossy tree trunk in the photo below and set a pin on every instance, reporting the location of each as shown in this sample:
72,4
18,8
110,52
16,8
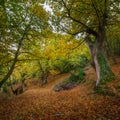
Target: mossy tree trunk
105,70
99,62
102,68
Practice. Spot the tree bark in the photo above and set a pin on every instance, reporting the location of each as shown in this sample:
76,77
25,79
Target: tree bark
20,43
12,67
99,62
14,61
44,76
97,68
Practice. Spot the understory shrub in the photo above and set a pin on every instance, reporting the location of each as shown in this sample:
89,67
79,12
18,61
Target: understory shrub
76,78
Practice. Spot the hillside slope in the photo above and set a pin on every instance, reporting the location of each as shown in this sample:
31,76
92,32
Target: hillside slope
80,103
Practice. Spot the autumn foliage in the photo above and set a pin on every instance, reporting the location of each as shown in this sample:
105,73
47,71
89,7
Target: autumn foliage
68,44
80,103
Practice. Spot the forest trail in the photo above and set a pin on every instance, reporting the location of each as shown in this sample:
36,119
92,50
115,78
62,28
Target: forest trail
80,103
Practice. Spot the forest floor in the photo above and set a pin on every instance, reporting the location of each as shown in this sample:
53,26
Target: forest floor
80,103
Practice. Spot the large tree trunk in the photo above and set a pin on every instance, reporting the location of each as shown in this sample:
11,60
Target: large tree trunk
103,70
99,62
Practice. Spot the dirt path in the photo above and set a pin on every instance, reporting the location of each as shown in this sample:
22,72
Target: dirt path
55,80
42,103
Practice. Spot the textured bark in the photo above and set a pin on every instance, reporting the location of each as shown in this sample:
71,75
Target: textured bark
103,70
97,68
99,62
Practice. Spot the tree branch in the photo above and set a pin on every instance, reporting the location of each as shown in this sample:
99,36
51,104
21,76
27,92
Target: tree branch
88,29
96,11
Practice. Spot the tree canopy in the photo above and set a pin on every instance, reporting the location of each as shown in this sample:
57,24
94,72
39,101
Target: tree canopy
88,19
39,35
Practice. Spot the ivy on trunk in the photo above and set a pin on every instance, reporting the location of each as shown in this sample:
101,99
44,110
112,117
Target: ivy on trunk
99,62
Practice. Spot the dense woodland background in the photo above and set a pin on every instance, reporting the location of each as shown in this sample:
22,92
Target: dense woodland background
60,59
